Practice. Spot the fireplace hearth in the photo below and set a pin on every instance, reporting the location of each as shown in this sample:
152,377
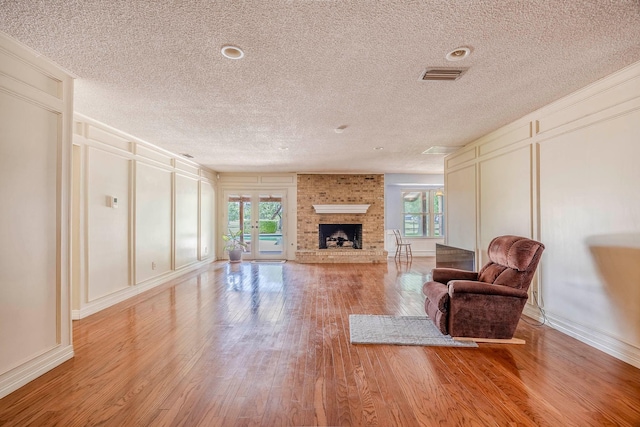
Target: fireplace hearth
344,236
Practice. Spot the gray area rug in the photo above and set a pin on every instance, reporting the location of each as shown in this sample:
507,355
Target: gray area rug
399,330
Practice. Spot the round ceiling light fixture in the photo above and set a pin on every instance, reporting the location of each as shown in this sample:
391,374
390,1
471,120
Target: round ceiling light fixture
458,54
340,128
378,148
232,52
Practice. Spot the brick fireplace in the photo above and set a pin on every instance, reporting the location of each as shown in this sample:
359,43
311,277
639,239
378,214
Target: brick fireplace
343,191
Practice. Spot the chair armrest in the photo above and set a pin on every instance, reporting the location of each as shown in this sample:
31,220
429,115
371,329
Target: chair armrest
437,293
444,275
483,288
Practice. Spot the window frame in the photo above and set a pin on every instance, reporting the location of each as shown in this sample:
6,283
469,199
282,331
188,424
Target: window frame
429,216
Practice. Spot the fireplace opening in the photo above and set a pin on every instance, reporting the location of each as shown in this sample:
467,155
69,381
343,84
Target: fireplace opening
346,236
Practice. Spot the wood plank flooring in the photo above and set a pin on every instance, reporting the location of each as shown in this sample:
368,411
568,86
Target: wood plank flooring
268,345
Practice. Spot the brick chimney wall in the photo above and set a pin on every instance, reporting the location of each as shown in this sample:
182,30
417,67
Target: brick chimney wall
341,189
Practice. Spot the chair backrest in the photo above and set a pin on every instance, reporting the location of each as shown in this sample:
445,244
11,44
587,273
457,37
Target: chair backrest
512,261
398,236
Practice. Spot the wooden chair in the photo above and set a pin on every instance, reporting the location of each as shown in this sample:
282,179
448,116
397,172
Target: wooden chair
400,244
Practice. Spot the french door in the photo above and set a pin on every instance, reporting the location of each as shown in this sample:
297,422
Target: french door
261,216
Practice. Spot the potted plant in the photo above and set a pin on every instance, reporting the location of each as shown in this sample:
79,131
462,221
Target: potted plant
234,245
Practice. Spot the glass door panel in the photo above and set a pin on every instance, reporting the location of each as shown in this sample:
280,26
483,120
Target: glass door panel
239,216
270,236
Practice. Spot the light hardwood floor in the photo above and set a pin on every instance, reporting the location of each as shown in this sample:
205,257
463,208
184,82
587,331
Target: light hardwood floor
268,345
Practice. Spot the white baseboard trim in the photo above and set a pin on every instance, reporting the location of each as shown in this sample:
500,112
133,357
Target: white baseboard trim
126,293
17,377
588,335
104,302
532,312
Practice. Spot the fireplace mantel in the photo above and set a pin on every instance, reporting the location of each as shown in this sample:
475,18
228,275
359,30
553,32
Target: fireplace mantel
341,209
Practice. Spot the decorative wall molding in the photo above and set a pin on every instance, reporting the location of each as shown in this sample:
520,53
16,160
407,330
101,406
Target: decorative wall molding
341,209
91,132
183,196
131,291
257,180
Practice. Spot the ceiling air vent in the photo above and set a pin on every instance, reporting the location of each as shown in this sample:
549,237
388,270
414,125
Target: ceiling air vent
443,74
440,150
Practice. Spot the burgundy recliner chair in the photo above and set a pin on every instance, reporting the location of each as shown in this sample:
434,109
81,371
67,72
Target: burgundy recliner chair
488,303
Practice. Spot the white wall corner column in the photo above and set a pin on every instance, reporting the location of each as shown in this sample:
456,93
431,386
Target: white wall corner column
35,168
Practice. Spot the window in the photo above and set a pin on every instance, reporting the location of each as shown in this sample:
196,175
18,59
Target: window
423,213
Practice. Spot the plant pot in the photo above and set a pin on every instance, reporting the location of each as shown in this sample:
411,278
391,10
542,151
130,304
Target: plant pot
235,255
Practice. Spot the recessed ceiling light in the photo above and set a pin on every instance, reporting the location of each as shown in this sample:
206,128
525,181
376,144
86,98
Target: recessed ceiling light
379,148
232,52
458,53
283,148
340,129
187,155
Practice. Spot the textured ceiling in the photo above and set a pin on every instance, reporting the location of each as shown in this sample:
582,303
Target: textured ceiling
154,69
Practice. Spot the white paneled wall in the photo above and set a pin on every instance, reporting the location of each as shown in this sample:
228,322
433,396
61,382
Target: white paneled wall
161,227
107,231
460,209
207,210
153,221
35,166
566,175
186,191
505,196
590,221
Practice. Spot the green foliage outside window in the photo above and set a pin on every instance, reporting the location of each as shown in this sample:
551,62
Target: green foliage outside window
270,214
267,226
